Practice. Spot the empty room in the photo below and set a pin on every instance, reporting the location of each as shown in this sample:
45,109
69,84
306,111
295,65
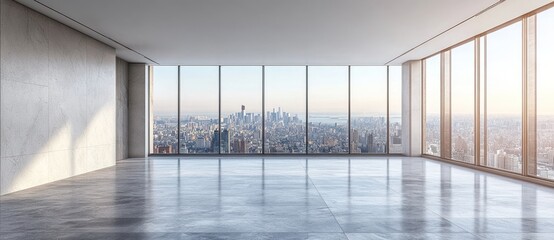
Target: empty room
266,119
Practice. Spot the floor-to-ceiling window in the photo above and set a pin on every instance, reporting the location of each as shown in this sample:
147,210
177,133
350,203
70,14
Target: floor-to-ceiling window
285,109
489,100
432,105
276,109
241,109
164,109
504,98
368,97
462,102
395,109
328,109
199,89
545,98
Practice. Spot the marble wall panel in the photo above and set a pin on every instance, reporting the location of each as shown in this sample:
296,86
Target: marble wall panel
58,100
23,119
121,85
24,46
67,84
138,76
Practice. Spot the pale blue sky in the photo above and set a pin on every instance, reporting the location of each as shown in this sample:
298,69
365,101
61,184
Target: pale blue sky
463,79
285,88
368,91
504,71
241,86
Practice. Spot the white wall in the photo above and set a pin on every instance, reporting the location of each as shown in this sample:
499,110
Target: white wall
411,107
57,100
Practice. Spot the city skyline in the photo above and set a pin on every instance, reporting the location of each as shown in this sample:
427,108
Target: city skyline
284,133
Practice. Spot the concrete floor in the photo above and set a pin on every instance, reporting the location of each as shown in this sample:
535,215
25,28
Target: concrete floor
281,198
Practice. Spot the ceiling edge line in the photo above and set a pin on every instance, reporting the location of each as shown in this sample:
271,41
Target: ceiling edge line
445,31
99,33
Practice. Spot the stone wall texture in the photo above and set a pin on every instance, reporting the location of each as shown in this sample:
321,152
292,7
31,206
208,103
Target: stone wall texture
58,100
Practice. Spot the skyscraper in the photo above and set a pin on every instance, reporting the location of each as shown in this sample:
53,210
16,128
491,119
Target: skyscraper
370,142
224,141
242,108
239,146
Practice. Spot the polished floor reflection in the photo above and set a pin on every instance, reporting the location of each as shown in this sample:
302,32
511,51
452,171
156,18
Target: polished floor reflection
281,198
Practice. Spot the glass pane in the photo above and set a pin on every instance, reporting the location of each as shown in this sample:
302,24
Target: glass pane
395,109
462,97
432,105
199,109
164,109
368,105
545,89
241,110
285,106
328,109
504,98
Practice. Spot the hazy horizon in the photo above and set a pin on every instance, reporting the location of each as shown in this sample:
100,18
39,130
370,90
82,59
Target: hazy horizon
285,87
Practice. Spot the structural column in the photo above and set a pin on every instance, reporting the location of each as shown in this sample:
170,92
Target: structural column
121,87
139,102
530,97
446,119
411,108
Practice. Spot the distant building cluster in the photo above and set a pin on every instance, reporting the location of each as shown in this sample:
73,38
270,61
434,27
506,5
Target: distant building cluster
241,132
503,143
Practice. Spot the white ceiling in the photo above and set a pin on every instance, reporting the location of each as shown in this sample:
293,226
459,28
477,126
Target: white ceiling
280,32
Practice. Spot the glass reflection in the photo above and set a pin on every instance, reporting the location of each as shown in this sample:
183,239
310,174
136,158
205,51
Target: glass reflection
241,110
164,109
504,98
432,105
368,103
285,118
462,97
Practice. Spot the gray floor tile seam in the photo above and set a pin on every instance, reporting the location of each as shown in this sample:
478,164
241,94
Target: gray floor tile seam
475,234
388,187
346,235
448,218
326,205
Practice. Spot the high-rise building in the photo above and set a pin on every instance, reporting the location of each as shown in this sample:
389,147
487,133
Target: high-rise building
355,141
242,109
239,146
370,146
225,144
